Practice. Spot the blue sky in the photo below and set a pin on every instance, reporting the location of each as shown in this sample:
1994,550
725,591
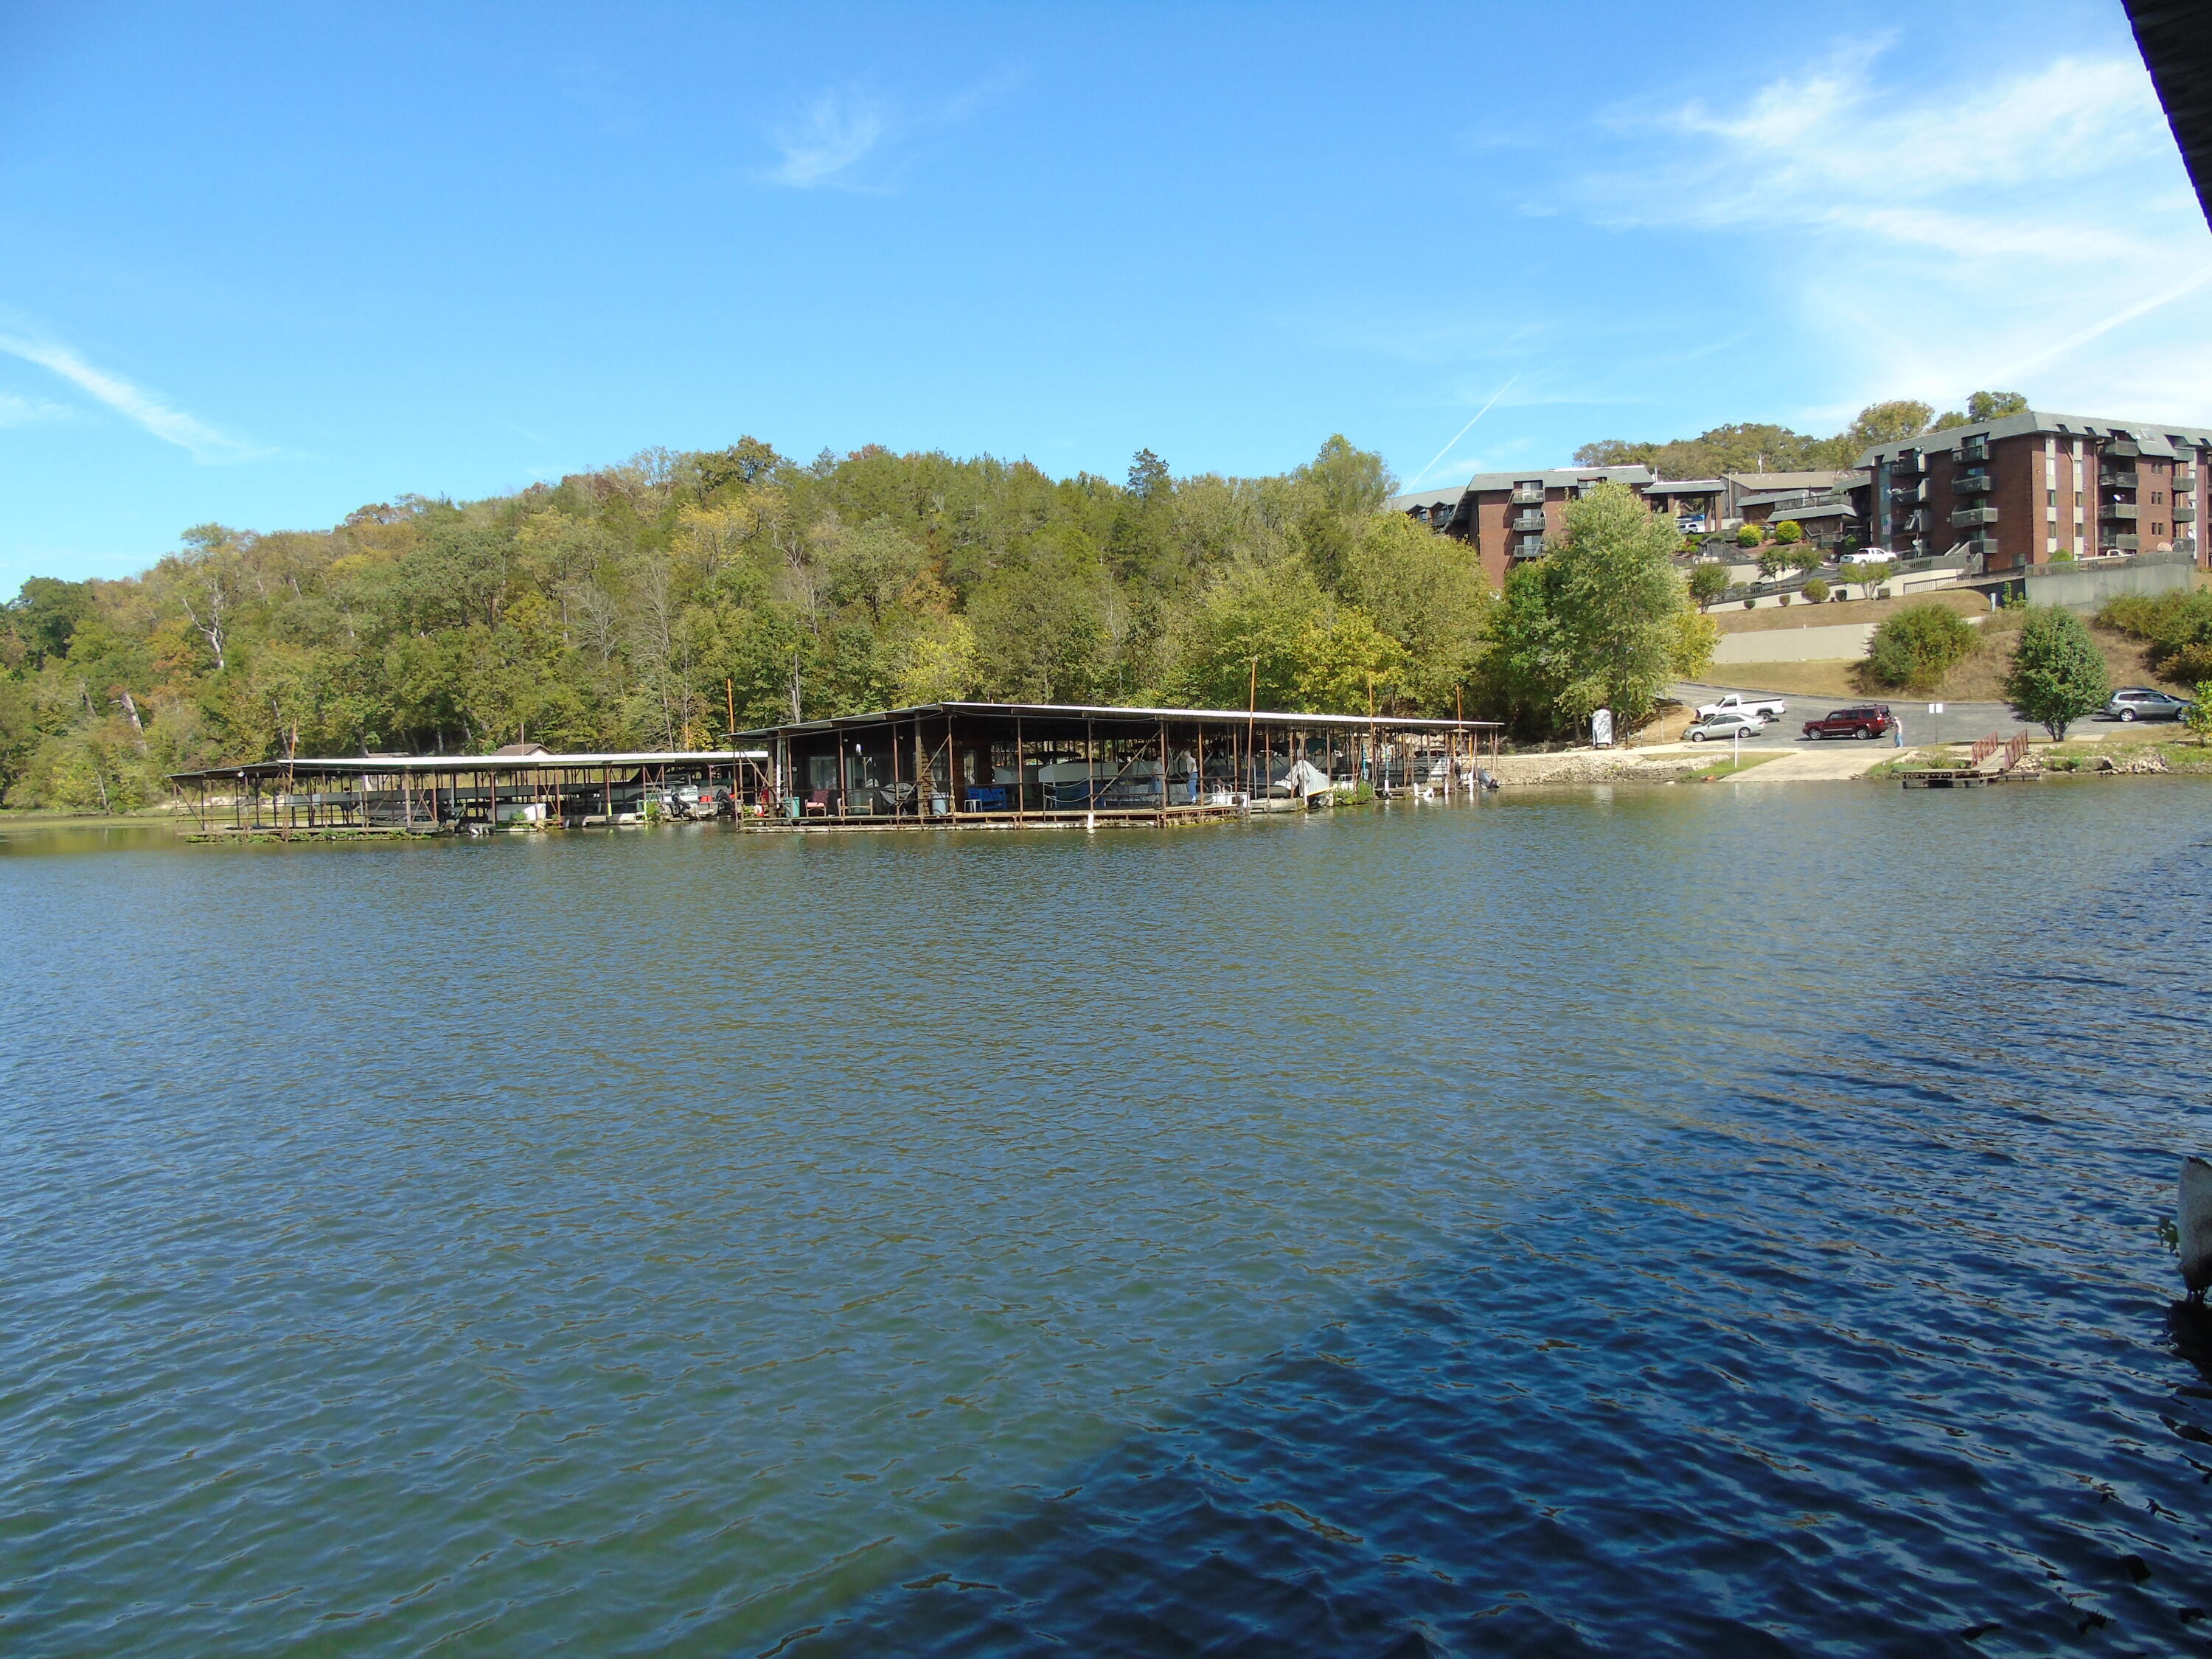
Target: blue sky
264,264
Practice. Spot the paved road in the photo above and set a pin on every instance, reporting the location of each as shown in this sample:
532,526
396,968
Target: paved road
1960,722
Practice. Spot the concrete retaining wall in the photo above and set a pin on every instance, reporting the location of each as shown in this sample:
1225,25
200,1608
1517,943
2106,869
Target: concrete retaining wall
2087,590
1845,641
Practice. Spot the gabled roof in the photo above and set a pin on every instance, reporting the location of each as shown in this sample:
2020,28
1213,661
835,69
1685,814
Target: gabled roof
2155,437
1424,498
1562,477
1817,479
1074,713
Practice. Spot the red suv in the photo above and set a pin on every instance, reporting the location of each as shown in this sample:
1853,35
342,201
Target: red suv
1868,720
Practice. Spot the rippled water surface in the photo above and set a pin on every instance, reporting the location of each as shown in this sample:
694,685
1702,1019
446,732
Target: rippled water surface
1681,1221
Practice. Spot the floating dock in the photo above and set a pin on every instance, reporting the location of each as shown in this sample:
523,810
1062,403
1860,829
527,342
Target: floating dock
997,765
944,765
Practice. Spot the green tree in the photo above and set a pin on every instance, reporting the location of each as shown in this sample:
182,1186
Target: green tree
2197,717
43,617
1428,594
1871,576
1708,582
1888,423
2057,675
1995,405
1253,618
1041,634
1617,605
1343,661
1915,648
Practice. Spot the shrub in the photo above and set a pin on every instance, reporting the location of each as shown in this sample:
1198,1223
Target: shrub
2190,665
1786,597
2178,628
1748,535
1914,649
1788,532
1748,604
2058,674
2197,717
1816,592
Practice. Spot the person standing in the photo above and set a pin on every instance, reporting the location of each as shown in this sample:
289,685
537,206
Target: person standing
1896,732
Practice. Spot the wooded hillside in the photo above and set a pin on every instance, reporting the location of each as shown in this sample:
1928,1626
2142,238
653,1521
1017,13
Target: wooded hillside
625,607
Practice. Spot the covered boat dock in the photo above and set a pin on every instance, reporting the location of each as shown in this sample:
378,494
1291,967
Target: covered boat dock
1001,764
521,787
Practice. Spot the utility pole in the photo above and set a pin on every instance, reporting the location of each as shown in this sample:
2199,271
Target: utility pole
1251,711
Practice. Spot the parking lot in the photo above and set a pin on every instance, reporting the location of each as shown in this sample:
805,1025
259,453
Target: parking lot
1960,722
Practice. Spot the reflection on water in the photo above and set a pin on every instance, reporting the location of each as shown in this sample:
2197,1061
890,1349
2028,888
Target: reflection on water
1509,1224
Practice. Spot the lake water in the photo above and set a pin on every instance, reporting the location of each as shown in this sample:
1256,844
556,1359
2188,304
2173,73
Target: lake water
1673,1221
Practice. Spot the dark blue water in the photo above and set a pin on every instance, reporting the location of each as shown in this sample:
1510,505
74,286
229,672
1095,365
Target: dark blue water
1683,1221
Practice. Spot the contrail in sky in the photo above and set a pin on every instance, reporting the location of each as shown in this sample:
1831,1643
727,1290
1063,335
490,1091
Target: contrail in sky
2105,326
1457,435
168,423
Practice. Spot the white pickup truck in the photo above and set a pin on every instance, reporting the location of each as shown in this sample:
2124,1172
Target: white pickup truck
1734,702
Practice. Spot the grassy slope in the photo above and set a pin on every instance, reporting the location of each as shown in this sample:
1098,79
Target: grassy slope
1838,612
1980,679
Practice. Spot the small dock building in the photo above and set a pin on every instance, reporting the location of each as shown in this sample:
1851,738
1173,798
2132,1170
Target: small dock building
521,785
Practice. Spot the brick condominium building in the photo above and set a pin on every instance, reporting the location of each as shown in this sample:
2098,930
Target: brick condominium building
2004,494
1507,515
2026,488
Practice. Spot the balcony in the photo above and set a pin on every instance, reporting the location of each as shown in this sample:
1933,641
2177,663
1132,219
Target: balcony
1968,483
1526,494
2185,478
1972,515
2120,544
1527,521
2115,477
2117,510
1907,463
1977,547
2182,513
1913,524
1974,454
1905,494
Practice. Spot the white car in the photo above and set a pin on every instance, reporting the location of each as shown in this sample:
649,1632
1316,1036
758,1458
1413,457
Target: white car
1725,727
1734,702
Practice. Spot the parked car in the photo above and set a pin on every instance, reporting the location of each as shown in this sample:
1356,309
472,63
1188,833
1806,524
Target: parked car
1866,719
1735,702
2141,702
1725,726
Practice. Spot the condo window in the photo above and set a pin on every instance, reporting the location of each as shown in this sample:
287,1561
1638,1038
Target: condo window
2053,497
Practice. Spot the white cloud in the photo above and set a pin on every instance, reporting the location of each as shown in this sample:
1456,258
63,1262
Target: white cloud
149,409
29,412
843,139
837,132
2037,225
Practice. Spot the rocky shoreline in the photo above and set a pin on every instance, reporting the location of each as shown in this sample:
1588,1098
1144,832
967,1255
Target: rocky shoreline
1584,767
